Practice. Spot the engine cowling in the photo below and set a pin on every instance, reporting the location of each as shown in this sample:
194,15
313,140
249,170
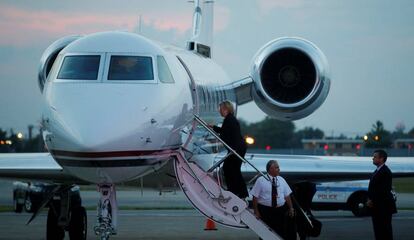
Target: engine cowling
49,57
291,78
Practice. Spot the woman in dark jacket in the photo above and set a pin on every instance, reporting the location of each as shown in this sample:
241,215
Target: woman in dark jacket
230,133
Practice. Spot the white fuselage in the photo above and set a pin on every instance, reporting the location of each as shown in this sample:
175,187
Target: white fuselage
105,130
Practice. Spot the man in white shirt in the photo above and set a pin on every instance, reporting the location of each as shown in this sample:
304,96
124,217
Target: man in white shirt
271,199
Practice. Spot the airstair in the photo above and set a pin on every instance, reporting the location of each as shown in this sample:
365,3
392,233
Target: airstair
204,191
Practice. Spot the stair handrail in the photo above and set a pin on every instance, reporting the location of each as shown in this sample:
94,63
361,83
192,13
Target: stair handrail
205,125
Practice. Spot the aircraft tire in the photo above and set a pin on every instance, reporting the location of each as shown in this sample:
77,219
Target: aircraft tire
53,230
28,205
78,224
17,206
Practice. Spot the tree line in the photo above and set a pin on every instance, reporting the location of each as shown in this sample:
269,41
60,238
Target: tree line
268,132
11,142
280,134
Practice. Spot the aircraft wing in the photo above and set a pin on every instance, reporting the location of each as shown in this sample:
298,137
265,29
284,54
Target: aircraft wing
326,168
33,166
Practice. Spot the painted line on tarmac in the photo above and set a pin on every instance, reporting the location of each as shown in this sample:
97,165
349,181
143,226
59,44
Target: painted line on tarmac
154,214
340,219
360,219
403,218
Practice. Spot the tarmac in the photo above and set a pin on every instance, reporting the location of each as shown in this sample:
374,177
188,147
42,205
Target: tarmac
189,224
181,221
152,198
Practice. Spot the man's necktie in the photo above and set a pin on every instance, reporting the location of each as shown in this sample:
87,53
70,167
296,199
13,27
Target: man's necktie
274,193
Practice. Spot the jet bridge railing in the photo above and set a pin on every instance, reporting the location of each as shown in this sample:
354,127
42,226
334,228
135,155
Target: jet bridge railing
212,132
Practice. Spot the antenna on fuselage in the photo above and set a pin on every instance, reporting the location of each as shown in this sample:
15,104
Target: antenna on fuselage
140,24
202,34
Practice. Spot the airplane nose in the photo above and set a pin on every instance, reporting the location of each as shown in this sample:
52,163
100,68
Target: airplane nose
112,117
93,116
99,130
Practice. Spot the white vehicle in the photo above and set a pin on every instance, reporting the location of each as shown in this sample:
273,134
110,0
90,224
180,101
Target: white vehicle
348,195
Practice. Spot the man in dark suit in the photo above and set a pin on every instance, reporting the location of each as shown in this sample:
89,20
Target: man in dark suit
230,133
380,198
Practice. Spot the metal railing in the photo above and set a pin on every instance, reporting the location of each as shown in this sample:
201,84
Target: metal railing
212,132
205,125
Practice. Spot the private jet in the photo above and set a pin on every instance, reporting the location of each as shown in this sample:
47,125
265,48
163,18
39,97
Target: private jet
119,106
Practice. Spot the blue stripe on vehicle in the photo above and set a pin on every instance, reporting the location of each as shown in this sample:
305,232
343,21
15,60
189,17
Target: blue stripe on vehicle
340,189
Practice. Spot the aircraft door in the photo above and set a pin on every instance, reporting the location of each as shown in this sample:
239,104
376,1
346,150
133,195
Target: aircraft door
194,95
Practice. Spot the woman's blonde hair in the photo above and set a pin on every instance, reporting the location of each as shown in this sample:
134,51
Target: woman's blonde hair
228,105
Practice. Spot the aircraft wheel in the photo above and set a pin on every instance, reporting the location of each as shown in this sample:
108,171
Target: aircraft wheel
28,206
78,224
17,206
53,230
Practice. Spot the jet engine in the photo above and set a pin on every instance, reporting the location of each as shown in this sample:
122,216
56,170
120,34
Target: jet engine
290,78
49,57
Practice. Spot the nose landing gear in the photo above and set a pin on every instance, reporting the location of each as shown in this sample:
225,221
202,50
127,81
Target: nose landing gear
107,212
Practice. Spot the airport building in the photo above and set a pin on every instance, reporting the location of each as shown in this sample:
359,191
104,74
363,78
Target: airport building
350,147
334,146
407,143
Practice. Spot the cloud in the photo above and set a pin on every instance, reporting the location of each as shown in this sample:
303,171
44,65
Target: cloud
16,24
221,18
181,23
168,22
266,6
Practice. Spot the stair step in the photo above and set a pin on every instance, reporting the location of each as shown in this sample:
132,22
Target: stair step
222,206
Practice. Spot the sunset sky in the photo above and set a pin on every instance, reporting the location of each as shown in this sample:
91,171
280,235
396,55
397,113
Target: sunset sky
369,45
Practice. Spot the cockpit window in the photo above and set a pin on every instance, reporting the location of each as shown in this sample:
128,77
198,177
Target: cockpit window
84,67
164,73
130,68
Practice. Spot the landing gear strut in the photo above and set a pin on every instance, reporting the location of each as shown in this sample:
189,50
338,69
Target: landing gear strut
66,214
107,212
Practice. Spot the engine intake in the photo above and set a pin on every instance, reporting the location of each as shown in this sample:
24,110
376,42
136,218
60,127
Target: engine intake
291,78
49,57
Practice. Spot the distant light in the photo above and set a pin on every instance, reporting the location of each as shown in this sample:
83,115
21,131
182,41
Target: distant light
365,138
249,140
9,142
20,135
2,142
326,147
358,146
268,147
376,137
